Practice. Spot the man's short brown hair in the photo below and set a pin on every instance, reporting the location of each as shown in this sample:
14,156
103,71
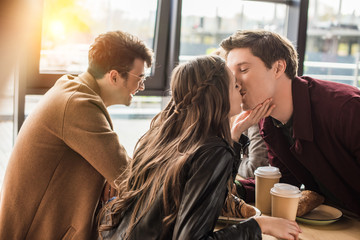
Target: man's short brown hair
266,45
116,50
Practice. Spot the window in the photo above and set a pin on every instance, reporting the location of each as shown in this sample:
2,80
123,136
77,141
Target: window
333,40
205,23
69,27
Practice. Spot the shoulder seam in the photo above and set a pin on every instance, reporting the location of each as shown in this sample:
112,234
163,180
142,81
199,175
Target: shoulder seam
66,107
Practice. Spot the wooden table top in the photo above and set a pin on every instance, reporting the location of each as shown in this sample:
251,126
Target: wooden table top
346,228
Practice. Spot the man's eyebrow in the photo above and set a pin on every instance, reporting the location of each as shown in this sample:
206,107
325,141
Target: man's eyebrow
242,63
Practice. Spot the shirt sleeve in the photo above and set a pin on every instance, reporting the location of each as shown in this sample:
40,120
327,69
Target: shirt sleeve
87,130
257,154
203,198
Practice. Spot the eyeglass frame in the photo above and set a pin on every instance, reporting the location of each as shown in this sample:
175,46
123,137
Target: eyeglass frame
143,78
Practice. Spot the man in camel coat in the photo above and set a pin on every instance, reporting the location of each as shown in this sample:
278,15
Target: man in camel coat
67,149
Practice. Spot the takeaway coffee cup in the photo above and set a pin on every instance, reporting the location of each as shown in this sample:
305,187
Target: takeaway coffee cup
284,201
265,178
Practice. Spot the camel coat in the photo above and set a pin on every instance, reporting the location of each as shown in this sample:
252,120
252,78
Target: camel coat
65,150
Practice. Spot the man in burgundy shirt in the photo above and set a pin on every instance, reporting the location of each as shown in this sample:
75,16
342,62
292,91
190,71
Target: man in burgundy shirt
313,134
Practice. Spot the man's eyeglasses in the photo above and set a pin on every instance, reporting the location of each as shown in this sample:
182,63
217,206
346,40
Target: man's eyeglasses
142,79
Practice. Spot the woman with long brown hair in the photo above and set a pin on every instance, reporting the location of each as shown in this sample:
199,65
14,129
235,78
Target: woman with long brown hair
177,182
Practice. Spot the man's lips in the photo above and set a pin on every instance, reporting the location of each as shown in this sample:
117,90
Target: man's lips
242,93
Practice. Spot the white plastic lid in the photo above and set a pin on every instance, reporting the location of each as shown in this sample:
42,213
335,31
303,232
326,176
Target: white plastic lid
285,190
268,172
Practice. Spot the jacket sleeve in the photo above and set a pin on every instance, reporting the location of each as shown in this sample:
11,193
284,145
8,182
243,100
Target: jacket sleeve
203,198
348,129
87,130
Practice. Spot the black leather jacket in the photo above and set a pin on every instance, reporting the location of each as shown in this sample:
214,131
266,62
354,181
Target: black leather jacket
205,189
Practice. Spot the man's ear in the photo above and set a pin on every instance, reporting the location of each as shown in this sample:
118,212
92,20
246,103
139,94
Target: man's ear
279,67
113,77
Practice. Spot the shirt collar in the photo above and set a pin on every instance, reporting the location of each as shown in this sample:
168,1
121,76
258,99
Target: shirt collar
279,124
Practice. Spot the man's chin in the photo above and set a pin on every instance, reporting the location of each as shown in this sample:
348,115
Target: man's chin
245,107
128,103
129,100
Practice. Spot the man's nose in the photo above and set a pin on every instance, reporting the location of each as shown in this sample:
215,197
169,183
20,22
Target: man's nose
238,81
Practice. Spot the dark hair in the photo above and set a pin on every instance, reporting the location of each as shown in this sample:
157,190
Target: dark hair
174,135
268,46
116,50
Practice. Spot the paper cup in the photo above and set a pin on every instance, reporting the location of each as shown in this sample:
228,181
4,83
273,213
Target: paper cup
265,178
284,201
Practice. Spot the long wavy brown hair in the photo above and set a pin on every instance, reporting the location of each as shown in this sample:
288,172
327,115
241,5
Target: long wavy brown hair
198,110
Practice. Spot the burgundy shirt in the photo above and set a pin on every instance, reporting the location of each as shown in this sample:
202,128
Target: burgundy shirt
326,154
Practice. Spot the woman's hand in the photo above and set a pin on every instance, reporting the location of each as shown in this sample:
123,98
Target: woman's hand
246,119
279,227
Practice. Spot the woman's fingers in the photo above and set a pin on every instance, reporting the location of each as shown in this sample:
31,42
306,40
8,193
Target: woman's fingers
263,110
270,109
248,118
294,230
279,227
